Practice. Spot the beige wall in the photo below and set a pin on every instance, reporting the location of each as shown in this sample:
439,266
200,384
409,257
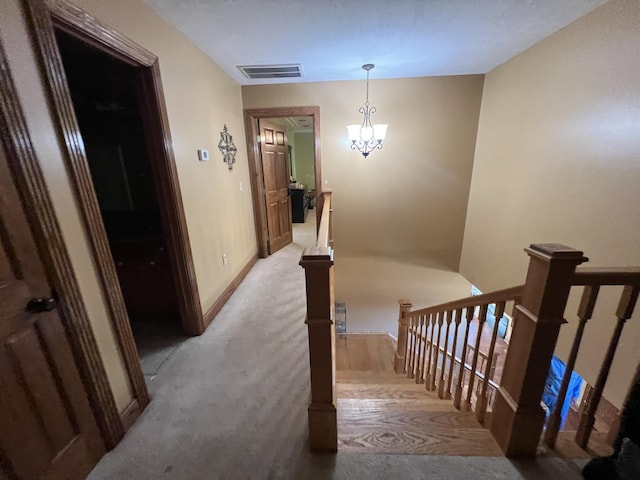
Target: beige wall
200,100
409,199
303,158
558,160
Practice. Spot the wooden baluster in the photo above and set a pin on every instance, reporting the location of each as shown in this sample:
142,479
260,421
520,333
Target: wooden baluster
399,364
494,365
624,312
613,435
436,352
416,353
481,406
432,323
421,349
410,348
412,357
585,311
457,400
482,318
433,341
427,319
452,364
407,358
416,347
441,385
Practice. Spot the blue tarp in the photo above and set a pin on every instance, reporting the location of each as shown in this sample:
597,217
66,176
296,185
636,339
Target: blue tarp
491,319
551,388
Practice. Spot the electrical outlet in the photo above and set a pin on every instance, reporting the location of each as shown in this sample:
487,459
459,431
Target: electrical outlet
224,259
241,186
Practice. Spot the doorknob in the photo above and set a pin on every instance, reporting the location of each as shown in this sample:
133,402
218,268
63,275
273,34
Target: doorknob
41,304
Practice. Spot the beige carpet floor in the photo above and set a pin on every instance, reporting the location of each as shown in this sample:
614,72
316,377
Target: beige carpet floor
231,404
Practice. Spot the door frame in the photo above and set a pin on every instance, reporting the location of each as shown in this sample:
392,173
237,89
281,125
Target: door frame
44,16
26,172
252,132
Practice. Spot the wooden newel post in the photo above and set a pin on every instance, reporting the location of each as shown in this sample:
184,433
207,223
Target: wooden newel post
518,418
323,427
403,333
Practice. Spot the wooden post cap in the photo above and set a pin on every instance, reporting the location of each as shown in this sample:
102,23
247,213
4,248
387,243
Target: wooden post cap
555,251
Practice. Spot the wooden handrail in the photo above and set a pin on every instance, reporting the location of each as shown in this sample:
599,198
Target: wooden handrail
324,238
505,295
607,276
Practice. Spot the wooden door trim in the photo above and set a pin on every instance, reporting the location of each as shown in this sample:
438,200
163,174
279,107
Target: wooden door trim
90,30
251,117
43,16
53,253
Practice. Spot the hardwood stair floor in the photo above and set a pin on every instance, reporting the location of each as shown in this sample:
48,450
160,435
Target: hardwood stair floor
380,411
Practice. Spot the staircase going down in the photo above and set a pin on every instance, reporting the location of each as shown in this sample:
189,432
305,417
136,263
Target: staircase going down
382,412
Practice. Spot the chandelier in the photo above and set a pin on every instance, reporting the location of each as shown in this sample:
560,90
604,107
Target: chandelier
367,137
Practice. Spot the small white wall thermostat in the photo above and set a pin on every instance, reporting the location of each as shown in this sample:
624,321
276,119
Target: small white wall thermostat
203,155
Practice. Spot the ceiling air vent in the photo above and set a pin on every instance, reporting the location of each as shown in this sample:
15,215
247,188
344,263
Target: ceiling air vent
271,71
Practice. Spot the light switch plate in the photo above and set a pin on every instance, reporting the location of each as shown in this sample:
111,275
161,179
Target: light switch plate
203,155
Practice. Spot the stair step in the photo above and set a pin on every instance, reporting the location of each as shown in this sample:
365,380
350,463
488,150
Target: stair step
390,379
391,391
436,440
406,419
365,352
365,374
566,446
427,404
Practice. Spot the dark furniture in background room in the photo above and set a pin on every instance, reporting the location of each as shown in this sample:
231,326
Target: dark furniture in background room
299,204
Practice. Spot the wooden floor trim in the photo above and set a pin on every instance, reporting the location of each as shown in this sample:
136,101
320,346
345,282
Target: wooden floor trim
211,313
130,414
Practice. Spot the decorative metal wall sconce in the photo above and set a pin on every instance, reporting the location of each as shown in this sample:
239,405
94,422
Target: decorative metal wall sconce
227,147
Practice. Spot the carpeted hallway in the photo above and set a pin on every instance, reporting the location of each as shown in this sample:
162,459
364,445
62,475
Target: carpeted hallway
231,404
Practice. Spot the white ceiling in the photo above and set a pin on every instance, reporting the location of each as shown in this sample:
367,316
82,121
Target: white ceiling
332,39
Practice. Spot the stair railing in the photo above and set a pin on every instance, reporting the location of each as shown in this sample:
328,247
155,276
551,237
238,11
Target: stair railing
518,418
318,266
441,346
592,279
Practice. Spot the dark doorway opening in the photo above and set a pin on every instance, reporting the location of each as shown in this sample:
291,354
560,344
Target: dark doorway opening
106,94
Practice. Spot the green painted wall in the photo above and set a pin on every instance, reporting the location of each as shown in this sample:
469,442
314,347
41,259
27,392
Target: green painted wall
303,158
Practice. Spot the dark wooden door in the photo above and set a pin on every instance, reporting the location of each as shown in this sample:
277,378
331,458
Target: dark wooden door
47,429
273,148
